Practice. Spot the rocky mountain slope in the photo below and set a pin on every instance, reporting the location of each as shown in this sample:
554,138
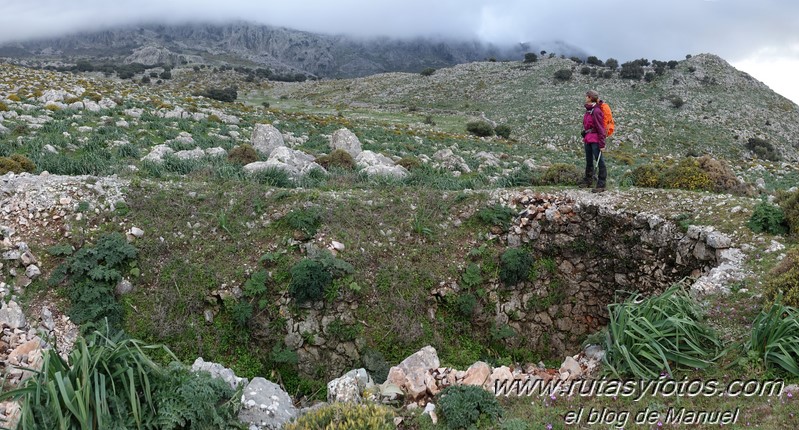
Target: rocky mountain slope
280,49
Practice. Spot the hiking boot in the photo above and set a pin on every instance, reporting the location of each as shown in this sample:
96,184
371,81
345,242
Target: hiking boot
598,190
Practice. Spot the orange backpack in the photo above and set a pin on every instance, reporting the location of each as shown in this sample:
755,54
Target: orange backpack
610,125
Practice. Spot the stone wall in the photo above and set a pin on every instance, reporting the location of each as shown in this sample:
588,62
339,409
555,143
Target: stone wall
600,255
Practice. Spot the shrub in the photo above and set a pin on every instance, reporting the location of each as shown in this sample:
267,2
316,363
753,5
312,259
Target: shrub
346,416
309,279
243,154
480,128
561,174
503,130
631,70
229,94
338,158
676,101
783,280
515,266
767,218
3,107
612,63
763,149
468,407
9,165
686,175
722,176
789,203
410,163
775,338
563,75
585,70
649,77
24,162
427,71
645,337
14,98
530,57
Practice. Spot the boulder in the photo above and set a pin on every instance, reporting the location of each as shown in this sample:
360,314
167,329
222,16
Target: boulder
347,141
11,316
477,374
349,388
410,374
374,164
266,138
265,406
218,371
295,163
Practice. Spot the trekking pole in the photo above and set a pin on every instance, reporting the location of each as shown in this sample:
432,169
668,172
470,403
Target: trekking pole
596,164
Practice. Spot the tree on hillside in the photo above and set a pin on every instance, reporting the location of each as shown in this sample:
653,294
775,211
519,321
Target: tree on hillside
530,57
612,63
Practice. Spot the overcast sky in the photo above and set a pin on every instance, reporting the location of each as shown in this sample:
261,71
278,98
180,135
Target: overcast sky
760,37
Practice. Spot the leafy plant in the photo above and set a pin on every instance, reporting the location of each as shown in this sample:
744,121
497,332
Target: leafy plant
305,220
647,336
515,266
768,218
563,75
789,203
471,276
496,215
346,416
503,130
309,279
468,407
775,338
92,274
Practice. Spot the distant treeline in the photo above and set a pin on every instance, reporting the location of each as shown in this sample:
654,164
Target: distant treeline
130,71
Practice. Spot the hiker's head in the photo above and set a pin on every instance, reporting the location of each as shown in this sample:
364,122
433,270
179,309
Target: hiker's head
592,95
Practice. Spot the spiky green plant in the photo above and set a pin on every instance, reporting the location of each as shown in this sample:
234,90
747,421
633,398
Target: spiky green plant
775,338
648,336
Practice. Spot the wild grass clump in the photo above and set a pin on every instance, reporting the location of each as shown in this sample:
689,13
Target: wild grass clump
468,407
775,338
273,177
783,280
338,158
496,215
346,416
646,337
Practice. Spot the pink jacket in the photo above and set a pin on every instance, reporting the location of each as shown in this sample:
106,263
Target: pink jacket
594,123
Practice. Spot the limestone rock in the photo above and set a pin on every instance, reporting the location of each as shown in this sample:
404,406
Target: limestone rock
347,141
410,374
349,387
266,138
477,374
265,406
218,371
11,316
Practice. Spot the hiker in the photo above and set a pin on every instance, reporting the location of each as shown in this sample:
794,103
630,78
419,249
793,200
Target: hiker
594,134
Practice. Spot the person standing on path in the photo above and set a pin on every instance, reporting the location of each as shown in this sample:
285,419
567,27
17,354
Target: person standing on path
594,134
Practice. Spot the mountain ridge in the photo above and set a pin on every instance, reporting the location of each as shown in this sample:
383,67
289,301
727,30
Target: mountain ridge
283,49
